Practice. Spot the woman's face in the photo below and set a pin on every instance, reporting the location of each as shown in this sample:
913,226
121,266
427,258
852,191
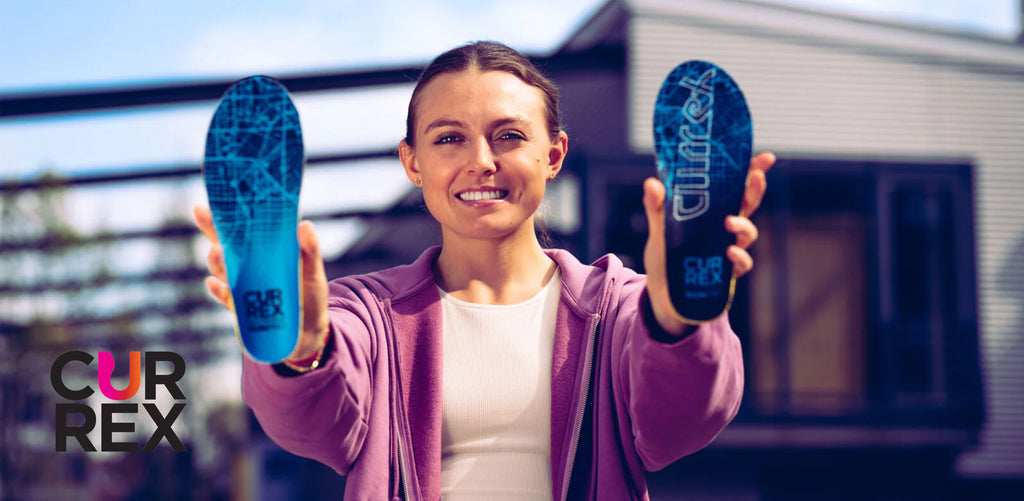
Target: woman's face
483,153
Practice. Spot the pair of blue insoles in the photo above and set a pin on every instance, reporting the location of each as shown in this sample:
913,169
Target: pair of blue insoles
702,137
253,173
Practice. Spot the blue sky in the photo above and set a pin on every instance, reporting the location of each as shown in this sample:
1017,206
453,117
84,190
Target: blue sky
65,43
69,43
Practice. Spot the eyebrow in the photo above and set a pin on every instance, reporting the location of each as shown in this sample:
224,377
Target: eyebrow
448,122
443,122
515,119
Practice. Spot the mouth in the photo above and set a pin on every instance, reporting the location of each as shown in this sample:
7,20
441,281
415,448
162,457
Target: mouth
476,195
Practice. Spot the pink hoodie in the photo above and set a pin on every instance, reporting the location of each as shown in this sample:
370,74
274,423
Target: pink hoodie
624,396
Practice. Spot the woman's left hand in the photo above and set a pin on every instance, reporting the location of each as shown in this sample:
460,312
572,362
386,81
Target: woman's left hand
741,226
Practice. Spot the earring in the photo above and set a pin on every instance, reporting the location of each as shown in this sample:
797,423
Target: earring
417,181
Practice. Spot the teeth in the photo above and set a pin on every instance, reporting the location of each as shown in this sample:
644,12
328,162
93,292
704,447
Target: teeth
471,196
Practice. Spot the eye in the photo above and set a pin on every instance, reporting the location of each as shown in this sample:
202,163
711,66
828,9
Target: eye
511,136
447,138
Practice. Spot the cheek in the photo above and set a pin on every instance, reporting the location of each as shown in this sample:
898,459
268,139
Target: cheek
434,193
436,205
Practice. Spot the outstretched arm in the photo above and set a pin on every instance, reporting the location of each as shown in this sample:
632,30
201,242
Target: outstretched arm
321,414
682,384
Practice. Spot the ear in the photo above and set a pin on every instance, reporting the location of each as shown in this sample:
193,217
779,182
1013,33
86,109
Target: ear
559,147
408,157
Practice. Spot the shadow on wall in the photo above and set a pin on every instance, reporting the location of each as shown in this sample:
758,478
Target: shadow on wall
1005,368
1001,451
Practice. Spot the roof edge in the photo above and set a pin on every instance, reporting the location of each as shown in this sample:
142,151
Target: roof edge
594,28
807,23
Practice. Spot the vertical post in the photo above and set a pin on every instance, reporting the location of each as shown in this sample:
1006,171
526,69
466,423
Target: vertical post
1020,21
783,323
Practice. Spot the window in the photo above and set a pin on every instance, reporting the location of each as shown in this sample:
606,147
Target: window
862,300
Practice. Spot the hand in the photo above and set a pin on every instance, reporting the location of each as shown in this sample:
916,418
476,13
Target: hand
314,283
741,226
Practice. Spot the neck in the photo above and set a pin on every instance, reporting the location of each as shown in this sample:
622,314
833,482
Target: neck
501,271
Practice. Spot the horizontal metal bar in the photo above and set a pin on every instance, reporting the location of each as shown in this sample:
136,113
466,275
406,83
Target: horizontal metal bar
183,274
50,243
170,172
14,106
25,105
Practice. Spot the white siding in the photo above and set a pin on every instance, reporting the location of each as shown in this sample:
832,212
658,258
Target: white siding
837,98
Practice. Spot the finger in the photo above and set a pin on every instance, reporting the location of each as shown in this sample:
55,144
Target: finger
654,252
312,263
204,220
753,193
654,207
743,228
215,263
309,244
742,263
756,182
314,286
654,259
763,161
219,291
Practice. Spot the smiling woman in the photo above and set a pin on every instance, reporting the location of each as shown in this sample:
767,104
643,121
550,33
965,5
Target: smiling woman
492,367
483,158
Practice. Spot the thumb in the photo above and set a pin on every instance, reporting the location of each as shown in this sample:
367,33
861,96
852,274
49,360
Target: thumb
314,290
654,258
654,207
309,245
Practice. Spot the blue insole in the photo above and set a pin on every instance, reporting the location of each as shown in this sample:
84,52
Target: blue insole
253,173
702,138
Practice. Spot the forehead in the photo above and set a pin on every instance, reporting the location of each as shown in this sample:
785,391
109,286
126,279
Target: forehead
474,95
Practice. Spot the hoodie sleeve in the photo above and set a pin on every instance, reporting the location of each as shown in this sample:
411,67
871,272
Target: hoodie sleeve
322,414
679,394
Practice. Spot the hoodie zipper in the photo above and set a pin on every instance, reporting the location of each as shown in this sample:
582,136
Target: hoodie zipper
581,407
403,468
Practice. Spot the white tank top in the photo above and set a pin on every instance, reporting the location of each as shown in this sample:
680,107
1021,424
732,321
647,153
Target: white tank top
496,398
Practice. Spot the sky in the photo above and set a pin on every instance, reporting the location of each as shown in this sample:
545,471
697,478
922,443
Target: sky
109,41
66,43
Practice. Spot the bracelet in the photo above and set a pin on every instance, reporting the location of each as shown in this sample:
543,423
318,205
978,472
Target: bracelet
307,364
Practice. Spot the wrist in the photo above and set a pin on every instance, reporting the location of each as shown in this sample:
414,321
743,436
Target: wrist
664,328
302,363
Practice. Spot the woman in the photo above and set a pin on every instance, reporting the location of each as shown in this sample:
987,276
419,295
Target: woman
560,380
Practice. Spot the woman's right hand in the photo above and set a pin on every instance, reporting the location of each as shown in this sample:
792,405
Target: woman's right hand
314,283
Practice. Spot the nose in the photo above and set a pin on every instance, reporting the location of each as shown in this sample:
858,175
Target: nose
482,160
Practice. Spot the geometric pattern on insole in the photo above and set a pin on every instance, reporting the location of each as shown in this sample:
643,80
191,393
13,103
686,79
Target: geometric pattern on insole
702,127
253,164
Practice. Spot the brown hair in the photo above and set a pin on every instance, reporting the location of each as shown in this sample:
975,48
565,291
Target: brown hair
487,56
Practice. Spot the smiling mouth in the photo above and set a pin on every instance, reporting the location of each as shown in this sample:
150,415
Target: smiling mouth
473,196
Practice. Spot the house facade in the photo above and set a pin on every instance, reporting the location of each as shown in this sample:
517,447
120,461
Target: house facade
886,312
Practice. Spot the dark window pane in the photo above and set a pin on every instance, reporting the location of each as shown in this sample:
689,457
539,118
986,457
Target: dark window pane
923,273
